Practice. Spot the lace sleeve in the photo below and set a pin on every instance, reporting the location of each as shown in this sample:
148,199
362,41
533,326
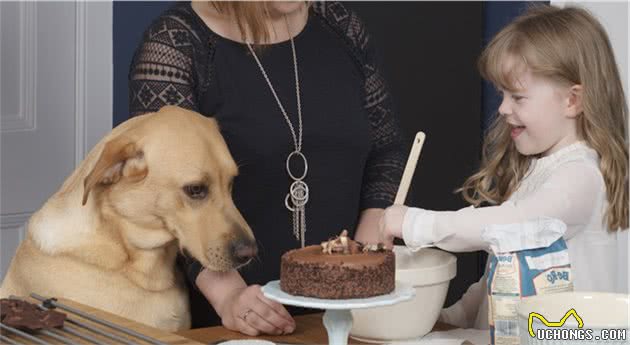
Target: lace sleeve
386,160
162,69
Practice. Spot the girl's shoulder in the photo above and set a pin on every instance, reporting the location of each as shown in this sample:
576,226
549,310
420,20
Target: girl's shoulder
578,159
577,152
576,165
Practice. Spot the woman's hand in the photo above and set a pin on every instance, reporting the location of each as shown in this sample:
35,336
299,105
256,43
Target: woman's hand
248,311
243,308
368,230
391,224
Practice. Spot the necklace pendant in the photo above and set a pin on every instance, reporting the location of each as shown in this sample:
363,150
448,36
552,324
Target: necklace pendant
297,207
296,199
302,225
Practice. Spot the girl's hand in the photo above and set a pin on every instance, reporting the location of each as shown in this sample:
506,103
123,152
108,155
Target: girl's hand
248,311
391,224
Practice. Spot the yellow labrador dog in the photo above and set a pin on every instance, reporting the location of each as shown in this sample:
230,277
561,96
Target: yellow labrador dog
108,238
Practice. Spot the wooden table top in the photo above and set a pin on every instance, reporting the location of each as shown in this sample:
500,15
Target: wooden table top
309,330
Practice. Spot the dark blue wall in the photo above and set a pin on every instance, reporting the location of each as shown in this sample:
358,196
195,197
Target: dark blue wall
496,15
130,21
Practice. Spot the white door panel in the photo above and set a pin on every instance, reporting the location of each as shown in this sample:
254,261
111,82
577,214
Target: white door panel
37,155
55,67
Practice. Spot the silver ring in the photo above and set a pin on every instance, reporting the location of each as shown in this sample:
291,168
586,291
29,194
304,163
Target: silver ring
244,317
299,191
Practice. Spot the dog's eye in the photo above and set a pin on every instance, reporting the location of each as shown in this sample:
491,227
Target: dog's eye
196,191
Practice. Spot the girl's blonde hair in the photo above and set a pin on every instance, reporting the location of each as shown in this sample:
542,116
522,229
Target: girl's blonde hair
568,46
251,18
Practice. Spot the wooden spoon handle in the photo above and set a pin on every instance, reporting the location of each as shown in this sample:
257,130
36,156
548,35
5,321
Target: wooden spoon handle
412,161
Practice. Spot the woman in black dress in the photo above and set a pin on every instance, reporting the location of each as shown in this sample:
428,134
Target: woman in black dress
332,111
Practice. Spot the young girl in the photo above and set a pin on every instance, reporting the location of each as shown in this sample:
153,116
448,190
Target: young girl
557,149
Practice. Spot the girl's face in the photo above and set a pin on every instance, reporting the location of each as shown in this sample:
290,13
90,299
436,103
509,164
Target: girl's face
541,115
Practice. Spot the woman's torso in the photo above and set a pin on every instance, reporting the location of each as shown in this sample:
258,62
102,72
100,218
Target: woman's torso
336,140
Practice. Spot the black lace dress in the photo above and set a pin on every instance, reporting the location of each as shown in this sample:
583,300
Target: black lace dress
350,139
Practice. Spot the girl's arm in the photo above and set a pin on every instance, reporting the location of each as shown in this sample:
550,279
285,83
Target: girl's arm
570,194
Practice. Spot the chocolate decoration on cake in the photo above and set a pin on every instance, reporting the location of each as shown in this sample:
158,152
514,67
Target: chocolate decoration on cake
340,244
27,316
338,269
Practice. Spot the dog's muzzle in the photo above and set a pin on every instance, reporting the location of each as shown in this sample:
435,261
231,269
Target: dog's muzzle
243,251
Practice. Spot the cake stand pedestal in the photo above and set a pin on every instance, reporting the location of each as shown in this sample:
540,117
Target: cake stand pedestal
337,316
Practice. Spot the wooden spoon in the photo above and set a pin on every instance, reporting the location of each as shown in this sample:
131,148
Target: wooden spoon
412,161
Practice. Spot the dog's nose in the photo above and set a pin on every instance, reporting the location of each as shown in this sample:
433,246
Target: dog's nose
243,251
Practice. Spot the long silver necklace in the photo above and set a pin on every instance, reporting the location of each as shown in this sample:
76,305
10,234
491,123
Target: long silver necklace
297,197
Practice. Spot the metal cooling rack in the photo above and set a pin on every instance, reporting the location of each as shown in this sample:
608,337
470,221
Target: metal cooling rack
74,328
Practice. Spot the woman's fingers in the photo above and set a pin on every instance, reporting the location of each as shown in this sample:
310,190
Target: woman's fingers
277,315
262,324
277,307
245,328
384,235
391,224
262,314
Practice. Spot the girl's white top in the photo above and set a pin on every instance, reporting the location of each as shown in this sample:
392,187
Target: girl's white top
566,185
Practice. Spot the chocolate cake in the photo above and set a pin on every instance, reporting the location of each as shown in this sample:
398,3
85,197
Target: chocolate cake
27,316
338,269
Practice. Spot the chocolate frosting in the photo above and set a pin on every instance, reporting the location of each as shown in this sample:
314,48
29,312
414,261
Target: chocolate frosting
312,273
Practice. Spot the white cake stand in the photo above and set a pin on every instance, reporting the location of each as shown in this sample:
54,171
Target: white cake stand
337,318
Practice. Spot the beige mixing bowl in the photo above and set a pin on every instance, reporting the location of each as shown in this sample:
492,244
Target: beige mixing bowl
597,310
429,271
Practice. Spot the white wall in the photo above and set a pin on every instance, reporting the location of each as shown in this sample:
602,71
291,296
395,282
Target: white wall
614,17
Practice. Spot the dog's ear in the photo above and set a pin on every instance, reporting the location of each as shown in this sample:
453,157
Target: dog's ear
120,158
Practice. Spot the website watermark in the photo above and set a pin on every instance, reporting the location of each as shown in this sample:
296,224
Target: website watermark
555,332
